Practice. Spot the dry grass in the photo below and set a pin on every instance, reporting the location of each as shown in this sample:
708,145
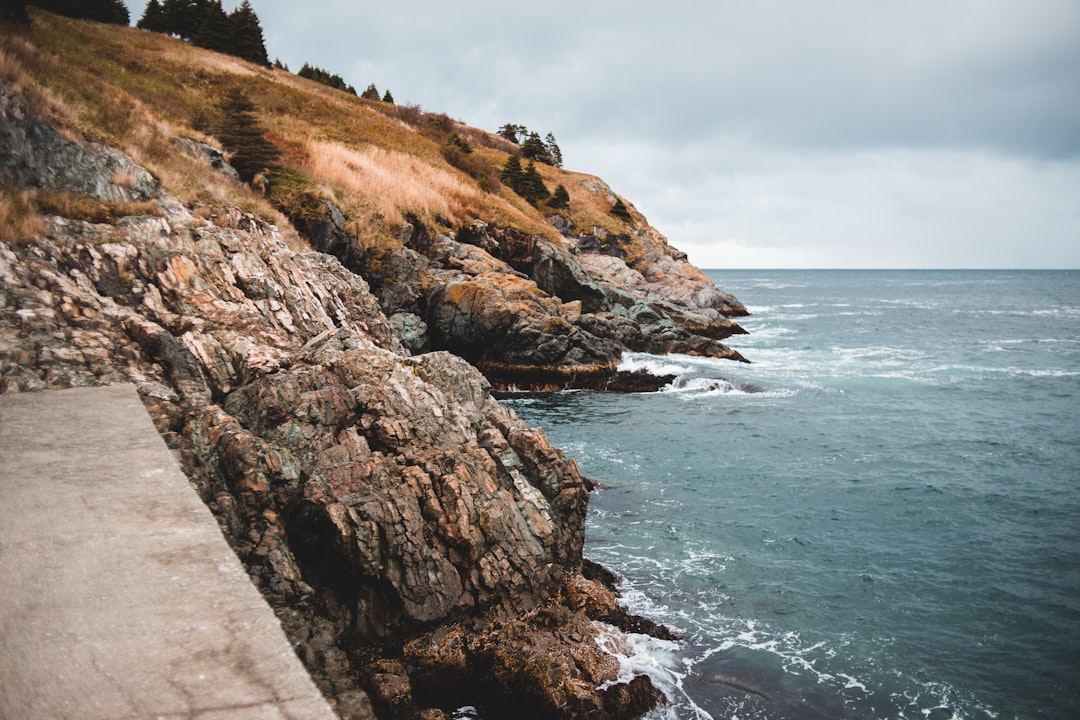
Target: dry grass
19,219
397,183
87,209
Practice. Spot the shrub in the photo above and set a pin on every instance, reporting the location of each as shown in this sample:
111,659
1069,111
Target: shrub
560,198
620,210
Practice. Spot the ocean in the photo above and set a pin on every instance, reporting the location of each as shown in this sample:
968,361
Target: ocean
877,518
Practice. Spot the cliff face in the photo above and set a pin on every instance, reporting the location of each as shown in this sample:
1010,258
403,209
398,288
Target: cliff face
536,313
419,541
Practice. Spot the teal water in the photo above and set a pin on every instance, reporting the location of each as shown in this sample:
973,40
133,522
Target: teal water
878,518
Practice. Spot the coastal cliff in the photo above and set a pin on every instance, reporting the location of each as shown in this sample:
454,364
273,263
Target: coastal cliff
331,399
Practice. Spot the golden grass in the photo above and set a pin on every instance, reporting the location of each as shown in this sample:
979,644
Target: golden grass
389,185
396,182
87,209
19,219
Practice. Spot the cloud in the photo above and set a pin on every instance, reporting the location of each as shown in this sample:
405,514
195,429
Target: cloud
888,208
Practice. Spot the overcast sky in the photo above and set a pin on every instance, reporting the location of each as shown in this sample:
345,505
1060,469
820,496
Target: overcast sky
760,133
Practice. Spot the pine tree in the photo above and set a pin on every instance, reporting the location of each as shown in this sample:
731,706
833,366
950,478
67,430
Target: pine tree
511,132
241,134
372,93
532,186
248,40
326,78
153,18
553,151
183,17
620,210
106,11
533,149
560,198
215,30
511,173
387,97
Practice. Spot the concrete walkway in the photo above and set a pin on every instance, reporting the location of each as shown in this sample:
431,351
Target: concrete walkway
119,597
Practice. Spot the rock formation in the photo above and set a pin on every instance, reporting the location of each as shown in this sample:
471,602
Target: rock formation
421,545
532,313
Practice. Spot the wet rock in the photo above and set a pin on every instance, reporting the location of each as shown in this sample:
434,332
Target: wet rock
546,664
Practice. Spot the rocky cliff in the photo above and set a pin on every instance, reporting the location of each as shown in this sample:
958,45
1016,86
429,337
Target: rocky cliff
334,405
422,546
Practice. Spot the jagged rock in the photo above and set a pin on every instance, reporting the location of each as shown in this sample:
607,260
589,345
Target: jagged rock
499,320
545,664
411,330
322,224
375,498
34,154
209,154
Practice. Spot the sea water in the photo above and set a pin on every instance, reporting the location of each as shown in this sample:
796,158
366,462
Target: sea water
877,518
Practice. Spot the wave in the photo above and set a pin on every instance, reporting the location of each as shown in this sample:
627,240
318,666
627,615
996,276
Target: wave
696,376
746,669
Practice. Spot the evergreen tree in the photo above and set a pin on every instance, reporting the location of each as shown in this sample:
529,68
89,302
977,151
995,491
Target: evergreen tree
322,76
153,18
527,183
241,134
620,210
215,30
534,149
460,143
511,173
183,17
511,132
106,11
553,151
560,198
387,97
532,185
248,40
372,93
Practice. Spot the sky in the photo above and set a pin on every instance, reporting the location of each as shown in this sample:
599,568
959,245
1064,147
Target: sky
758,133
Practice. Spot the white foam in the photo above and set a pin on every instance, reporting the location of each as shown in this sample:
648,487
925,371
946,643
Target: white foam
658,659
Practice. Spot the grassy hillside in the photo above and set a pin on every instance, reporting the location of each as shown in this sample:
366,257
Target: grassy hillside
141,91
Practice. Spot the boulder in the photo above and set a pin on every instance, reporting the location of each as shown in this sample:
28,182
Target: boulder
33,154
208,154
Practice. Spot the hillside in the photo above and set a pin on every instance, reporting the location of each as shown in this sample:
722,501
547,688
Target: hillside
320,355
370,182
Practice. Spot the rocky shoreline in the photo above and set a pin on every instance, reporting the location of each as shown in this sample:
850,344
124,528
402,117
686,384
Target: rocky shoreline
420,544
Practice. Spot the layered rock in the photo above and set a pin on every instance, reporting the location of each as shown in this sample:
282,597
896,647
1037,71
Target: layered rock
534,313
407,527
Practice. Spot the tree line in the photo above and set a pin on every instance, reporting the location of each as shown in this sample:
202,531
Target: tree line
106,11
206,24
